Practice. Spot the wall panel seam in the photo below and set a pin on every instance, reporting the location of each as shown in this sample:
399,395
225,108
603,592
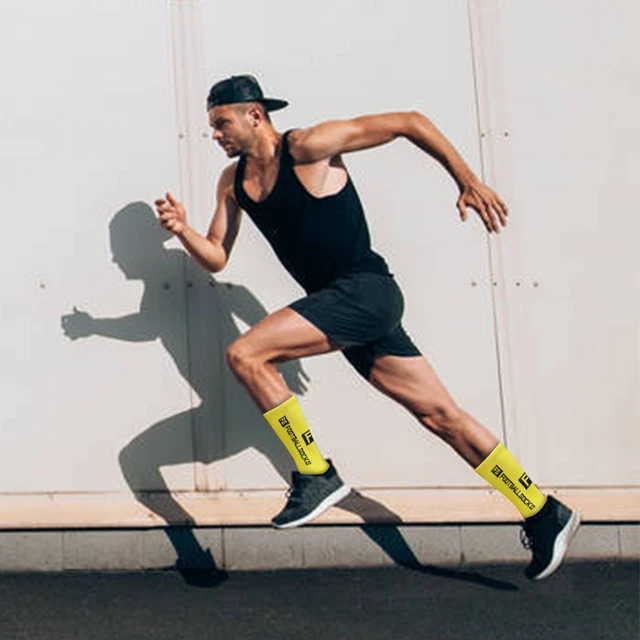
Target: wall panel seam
484,142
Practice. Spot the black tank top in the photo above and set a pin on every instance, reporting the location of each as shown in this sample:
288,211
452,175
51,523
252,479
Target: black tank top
316,239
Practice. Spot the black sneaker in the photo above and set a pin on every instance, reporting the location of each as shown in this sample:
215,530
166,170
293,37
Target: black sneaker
547,535
309,496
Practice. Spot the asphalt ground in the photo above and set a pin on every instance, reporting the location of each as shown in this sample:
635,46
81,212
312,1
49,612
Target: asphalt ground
582,601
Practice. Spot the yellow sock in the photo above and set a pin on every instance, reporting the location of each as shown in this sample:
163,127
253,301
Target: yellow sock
502,471
291,427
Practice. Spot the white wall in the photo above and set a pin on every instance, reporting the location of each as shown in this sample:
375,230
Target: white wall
560,84
103,108
88,128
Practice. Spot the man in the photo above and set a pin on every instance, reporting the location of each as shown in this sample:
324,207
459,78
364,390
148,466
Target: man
297,190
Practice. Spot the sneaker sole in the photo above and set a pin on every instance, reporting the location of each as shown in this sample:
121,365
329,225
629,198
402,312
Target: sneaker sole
561,545
333,498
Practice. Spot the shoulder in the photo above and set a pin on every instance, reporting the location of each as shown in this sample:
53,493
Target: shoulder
296,139
227,178
229,173
303,142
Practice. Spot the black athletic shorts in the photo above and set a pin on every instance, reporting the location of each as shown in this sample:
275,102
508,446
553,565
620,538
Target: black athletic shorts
361,315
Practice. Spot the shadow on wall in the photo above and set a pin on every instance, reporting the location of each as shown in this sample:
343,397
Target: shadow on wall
199,435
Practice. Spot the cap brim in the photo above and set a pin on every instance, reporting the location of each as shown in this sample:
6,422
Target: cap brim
273,104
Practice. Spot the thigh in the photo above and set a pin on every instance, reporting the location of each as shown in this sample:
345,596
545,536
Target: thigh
281,336
412,382
395,343
357,309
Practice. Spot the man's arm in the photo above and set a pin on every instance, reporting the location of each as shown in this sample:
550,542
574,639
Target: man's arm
211,252
330,139
333,138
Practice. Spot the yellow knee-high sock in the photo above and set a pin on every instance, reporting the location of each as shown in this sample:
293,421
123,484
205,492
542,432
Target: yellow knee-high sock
288,421
502,471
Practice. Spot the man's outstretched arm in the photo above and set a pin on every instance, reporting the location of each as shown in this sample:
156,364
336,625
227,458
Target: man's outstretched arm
330,139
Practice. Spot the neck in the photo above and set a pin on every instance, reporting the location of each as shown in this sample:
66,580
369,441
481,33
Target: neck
265,147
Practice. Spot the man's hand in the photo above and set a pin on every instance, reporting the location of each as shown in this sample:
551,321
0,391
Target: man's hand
172,214
487,204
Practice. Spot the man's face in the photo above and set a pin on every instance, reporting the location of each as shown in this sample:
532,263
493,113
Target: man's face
231,129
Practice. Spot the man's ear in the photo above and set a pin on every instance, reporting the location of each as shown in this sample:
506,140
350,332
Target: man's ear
255,114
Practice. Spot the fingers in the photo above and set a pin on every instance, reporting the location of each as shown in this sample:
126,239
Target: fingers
496,207
169,221
486,218
166,203
491,209
463,210
162,204
485,215
502,211
167,212
162,207
490,216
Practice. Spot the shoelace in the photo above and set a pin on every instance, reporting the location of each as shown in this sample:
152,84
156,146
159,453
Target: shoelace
528,541
294,493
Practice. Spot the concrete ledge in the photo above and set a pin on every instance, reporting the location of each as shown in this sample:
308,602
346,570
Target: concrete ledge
260,548
629,541
59,532
371,506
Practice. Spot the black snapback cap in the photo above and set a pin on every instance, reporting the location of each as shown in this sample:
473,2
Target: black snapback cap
243,88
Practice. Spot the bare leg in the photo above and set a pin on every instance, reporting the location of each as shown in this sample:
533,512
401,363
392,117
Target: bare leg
281,336
286,335
414,384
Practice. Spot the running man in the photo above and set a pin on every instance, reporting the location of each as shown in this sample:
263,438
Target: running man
296,189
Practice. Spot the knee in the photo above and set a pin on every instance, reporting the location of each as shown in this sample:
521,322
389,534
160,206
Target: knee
241,360
445,420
